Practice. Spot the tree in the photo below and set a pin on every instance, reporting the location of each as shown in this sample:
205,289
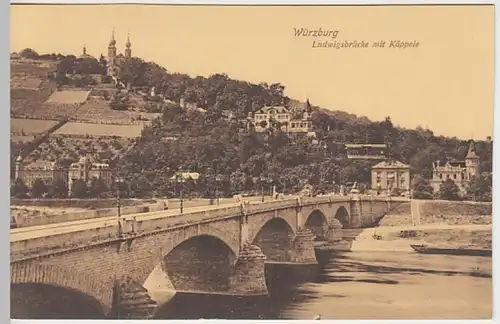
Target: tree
97,187
421,188
79,189
449,190
58,189
38,189
29,53
480,189
18,189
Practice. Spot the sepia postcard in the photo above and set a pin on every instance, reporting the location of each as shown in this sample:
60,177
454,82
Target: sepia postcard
251,162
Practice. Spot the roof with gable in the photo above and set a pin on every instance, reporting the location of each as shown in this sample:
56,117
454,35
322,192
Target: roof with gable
273,110
391,164
186,176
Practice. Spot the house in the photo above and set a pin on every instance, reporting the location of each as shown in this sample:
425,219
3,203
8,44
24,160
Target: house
85,170
289,121
390,176
461,172
51,172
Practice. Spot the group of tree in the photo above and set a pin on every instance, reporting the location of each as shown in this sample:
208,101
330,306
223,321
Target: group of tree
97,188
206,143
479,189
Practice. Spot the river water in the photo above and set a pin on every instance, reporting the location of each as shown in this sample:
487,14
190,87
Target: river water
360,285
353,285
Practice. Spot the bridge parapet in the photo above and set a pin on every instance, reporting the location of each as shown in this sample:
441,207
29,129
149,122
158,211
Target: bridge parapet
314,200
30,246
143,223
271,205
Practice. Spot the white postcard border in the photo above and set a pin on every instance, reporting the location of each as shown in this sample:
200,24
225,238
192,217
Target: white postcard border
5,142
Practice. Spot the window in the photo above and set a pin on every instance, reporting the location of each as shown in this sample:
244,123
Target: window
454,176
440,176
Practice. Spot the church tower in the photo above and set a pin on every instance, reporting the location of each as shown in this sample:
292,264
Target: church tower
472,162
128,50
112,55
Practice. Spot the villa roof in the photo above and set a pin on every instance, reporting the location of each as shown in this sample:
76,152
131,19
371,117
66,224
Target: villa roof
273,110
391,164
186,175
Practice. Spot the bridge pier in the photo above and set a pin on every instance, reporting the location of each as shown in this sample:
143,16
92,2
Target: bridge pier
133,301
356,212
334,232
248,278
303,247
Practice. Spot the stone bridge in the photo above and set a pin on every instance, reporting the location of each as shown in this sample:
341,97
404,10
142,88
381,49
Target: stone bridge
104,263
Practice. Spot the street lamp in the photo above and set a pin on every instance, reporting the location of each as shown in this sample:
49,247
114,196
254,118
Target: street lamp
119,181
262,180
283,183
218,179
180,180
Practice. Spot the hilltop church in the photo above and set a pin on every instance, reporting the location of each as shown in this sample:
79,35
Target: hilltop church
115,60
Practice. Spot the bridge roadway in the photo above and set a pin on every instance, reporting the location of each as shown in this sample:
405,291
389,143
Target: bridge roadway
189,215
26,233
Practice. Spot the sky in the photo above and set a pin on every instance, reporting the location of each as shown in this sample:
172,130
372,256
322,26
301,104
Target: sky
445,84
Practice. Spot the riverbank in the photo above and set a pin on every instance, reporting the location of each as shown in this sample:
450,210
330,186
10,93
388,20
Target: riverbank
399,238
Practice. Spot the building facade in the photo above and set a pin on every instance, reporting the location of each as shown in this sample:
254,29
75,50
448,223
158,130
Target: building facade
461,172
52,172
86,170
390,175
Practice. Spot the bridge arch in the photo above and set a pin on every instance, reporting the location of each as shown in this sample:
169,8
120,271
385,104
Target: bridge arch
54,287
275,239
164,243
342,215
202,263
317,223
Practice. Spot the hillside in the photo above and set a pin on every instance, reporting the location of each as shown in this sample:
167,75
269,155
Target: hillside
208,142
53,117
